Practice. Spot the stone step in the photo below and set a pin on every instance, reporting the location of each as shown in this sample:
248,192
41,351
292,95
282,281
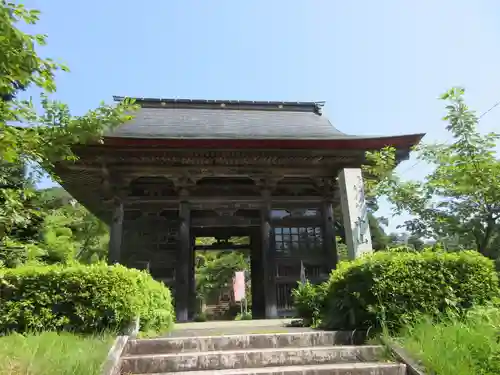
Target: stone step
362,368
237,342
248,358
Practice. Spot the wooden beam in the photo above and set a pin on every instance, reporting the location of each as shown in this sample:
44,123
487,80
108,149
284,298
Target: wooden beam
216,247
223,199
224,221
222,231
135,170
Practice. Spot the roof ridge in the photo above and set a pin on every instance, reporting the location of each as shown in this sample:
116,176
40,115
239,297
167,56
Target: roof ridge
308,106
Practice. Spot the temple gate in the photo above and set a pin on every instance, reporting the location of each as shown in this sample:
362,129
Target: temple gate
273,171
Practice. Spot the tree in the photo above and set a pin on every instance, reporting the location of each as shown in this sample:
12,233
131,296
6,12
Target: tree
380,240
415,241
215,272
71,232
32,137
460,198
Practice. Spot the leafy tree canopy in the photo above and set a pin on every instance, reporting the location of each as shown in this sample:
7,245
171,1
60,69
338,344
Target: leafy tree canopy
34,137
460,197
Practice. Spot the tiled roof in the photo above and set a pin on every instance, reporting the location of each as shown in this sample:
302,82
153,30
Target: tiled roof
205,119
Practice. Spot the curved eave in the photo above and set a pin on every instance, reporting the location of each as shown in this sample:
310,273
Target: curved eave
356,143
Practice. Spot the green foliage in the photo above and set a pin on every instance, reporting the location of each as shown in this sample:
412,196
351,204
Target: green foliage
395,287
456,346
401,249
308,301
13,256
68,231
48,130
17,198
379,239
460,198
341,249
245,316
81,298
215,271
52,353
200,317
72,232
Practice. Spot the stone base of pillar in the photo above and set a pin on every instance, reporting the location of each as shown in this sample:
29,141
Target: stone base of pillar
271,310
181,314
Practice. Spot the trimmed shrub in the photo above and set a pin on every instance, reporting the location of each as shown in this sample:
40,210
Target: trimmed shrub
401,249
393,288
81,299
308,300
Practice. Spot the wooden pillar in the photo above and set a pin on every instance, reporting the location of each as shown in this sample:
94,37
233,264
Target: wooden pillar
257,274
182,274
116,232
192,281
329,242
268,257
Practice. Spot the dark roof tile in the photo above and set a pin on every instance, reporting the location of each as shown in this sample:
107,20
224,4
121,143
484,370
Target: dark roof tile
198,119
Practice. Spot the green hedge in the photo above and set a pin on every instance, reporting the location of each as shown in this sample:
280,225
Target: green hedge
395,287
81,298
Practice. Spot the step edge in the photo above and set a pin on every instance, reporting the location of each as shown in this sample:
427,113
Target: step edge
326,333
320,346
253,350
326,366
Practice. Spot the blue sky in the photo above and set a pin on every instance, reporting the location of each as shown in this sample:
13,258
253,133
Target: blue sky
379,65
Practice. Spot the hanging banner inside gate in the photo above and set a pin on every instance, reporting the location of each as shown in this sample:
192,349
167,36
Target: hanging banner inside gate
239,286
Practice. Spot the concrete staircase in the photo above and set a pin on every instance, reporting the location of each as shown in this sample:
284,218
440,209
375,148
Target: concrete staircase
301,353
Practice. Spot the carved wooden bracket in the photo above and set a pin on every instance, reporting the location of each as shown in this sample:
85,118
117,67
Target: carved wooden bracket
184,182
267,182
226,211
327,186
113,185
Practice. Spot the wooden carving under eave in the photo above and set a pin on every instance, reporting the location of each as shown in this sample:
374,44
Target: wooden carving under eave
327,186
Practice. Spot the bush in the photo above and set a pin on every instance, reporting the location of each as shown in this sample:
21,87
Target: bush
395,287
200,317
308,300
245,316
234,309
12,256
402,249
81,299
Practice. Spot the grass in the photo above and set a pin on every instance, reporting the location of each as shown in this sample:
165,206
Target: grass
456,346
51,353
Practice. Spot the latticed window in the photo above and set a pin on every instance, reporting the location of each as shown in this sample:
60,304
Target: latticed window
298,240
284,298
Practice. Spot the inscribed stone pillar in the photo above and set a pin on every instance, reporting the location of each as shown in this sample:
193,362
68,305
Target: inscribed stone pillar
116,232
268,258
329,243
182,279
354,212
